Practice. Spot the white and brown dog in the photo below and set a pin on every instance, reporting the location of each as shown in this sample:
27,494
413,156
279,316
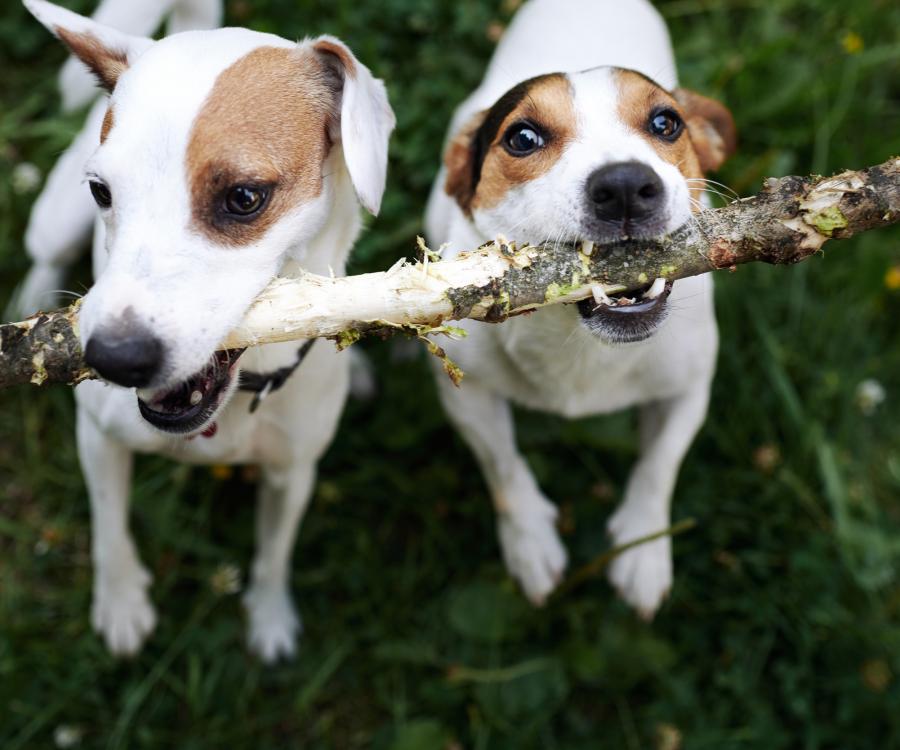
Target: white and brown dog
542,153
227,158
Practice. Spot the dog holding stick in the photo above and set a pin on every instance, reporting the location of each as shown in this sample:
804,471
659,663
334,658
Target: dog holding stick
227,158
579,134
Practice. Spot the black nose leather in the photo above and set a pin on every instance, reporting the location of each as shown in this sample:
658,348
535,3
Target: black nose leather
130,357
627,191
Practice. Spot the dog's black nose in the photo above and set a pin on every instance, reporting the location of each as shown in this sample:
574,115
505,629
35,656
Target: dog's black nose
130,356
627,191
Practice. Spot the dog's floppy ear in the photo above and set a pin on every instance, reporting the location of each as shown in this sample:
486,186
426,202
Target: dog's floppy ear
139,17
366,121
105,51
710,126
459,159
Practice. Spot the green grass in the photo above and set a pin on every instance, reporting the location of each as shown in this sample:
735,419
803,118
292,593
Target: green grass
783,630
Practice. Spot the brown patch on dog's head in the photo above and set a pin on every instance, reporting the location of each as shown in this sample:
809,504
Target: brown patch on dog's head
459,161
106,64
108,121
640,99
708,137
265,125
480,170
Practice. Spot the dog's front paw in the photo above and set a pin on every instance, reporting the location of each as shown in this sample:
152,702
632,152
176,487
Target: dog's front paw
532,550
121,611
643,574
274,624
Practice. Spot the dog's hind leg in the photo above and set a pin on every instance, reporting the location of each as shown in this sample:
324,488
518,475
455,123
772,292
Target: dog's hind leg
532,550
643,575
274,623
121,610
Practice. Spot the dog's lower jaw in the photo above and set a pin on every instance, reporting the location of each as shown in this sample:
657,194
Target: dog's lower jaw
189,407
618,321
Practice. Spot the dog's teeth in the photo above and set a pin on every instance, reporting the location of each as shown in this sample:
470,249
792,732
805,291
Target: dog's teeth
600,297
196,398
654,291
587,247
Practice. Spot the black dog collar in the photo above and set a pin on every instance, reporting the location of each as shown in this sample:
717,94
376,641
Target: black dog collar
264,383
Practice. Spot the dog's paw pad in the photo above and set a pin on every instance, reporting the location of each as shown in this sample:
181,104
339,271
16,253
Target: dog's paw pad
124,617
643,575
533,553
274,625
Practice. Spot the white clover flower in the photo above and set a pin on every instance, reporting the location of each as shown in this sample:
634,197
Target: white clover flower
870,394
26,178
226,579
65,736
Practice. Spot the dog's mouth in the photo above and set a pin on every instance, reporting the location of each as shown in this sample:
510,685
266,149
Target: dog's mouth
626,317
191,404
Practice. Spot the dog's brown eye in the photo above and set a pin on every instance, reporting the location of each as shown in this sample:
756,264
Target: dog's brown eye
665,124
244,201
522,139
101,194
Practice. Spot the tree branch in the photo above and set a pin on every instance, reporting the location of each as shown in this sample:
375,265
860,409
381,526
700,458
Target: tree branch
788,221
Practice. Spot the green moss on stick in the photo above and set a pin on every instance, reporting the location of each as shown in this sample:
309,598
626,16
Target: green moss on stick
828,220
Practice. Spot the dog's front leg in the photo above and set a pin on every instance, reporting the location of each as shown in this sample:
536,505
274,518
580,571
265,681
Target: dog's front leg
531,546
121,610
274,623
643,575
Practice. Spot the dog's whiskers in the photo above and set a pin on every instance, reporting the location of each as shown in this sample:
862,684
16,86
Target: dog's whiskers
712,186
67,293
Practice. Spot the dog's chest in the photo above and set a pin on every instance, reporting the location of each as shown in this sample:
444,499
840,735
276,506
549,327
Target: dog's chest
239,438
559,367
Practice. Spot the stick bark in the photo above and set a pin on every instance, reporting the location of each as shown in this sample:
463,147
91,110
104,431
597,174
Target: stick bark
789,221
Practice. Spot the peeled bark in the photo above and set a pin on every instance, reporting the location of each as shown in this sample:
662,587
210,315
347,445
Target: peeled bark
787,222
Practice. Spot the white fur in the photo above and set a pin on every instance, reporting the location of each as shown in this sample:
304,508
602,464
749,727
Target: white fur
366,122
191,292
548,360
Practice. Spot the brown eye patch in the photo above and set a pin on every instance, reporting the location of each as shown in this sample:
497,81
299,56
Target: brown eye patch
265,125
544,106
653,113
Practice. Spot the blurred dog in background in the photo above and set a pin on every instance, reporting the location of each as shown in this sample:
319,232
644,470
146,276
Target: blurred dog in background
63,215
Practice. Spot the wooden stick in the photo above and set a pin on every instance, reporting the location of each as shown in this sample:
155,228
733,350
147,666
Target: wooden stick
787,222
